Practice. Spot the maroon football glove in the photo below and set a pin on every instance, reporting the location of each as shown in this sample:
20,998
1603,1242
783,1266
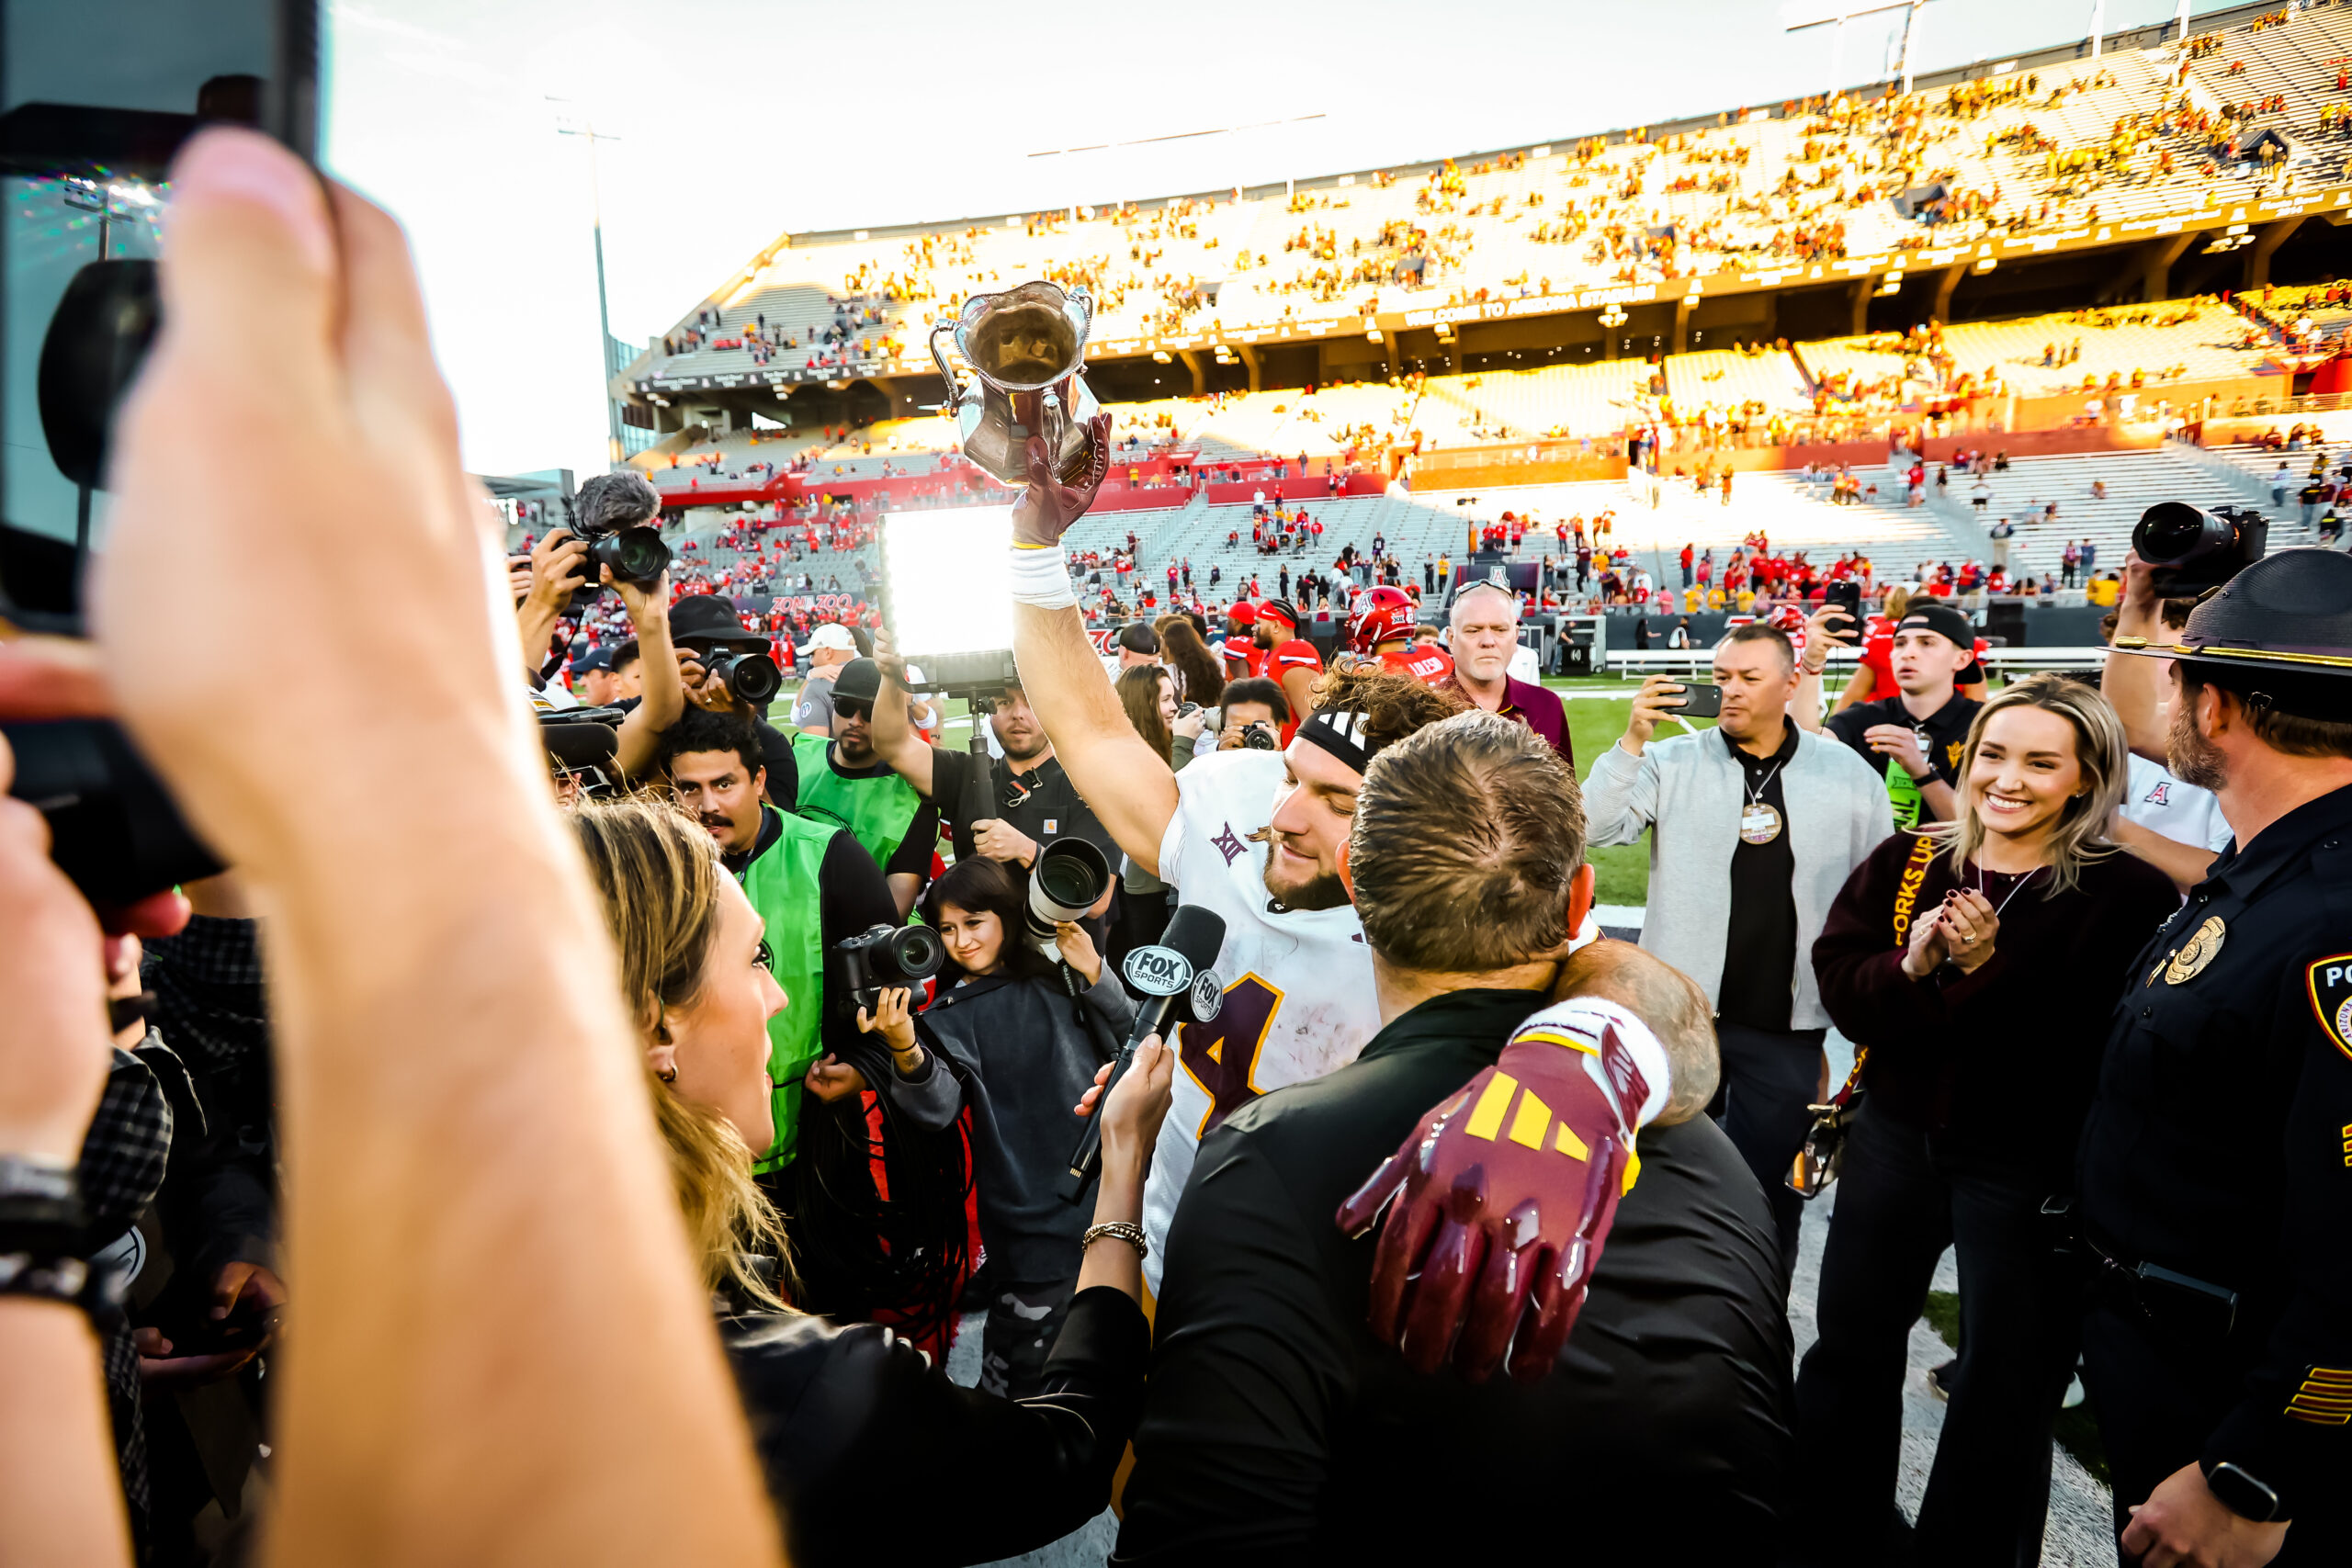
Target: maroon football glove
1506,1192
1049,507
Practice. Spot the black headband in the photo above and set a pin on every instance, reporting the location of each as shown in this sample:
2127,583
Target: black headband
1339,732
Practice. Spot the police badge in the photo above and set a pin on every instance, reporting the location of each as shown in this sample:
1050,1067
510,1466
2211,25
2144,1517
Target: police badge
2329,981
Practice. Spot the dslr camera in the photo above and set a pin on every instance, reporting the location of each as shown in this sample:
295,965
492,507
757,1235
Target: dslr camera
1259,736
882,958
618,517
751,676
2191,551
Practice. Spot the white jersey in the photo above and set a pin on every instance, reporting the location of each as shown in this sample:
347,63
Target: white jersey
1298,992
2185,813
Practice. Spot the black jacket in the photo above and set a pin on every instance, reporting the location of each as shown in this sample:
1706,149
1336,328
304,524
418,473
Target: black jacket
874,1458
1025,1056
1280,1431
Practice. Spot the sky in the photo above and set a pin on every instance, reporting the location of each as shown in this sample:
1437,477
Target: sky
739,120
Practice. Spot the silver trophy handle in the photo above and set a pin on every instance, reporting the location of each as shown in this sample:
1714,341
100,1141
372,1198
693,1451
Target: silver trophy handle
1080,296
954,388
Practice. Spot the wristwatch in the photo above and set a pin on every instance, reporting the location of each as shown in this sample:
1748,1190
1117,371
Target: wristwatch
2241,1493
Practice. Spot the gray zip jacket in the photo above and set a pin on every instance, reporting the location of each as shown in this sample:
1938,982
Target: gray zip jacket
1690,790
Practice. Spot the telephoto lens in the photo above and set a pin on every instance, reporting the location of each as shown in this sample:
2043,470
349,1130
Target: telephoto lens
2189,551
1071,874
637,555
882,958
753,677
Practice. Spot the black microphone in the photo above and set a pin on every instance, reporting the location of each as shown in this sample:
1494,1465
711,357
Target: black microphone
1175,977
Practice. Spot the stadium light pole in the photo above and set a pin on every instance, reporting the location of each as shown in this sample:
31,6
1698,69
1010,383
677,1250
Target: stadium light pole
1800,15
586,128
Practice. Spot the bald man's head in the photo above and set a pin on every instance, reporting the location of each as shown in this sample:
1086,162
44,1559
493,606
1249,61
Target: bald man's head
1667,999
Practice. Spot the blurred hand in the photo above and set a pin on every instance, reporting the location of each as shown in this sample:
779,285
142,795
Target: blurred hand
1830,627
886,658
559,571
1188,726
1002,840
2183,1525
1658,698
249,1287
641,603
831,1079
2139,587
890,1019
54,1047
1899,742
225,460
1078,950
159,1369
1131,1123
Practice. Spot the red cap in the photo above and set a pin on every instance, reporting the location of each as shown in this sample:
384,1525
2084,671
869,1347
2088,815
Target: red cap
1242,612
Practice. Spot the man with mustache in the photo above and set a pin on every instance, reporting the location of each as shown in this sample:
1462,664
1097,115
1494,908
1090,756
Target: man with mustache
813,885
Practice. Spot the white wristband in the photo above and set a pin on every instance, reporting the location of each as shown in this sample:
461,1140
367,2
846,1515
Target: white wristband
1581,1021
1040,578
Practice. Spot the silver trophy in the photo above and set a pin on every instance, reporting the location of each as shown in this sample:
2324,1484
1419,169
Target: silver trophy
1025,347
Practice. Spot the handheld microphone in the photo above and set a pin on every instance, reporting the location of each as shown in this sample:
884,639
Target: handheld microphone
1175,977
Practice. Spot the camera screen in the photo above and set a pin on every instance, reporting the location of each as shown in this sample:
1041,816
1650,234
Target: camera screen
94,98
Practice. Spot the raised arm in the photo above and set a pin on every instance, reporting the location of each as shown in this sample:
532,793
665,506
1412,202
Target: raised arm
482,1205
2128,681
664,699
894,740
1130,787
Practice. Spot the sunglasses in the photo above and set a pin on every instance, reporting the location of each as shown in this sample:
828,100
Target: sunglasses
850,708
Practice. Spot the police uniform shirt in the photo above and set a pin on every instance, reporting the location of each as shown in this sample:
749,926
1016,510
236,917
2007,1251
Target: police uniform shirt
1041,803
2220,1144
1277,1429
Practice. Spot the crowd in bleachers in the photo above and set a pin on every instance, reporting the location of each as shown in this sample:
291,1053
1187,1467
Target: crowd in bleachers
1809,179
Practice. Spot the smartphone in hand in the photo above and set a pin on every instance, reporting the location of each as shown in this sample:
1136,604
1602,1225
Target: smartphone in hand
1699,701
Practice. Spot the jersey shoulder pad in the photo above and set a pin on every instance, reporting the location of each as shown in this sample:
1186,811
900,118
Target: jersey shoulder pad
1297,654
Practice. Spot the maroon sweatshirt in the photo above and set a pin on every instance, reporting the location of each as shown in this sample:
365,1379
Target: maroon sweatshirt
2000,1063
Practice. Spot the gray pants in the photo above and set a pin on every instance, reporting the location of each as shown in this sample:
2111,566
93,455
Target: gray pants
1023,1322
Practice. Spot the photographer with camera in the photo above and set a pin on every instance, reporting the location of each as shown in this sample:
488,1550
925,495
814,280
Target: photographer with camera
1254,714
2212,1188
724,668
844,782
1004,1014
829,648
1035,804
816,888
2172,824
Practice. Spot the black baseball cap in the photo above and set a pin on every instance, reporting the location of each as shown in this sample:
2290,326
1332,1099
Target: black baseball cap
594,658
708,619
1137,636
859,681
1941,619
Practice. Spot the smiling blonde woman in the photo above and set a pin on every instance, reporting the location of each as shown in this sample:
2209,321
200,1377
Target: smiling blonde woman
1975,966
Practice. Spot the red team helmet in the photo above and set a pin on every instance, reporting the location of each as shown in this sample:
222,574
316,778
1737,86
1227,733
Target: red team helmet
1382,614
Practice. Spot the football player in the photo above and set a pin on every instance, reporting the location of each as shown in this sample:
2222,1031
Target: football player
1383,627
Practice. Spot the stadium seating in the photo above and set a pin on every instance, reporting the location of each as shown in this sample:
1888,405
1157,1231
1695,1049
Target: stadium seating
1565,400
2126,341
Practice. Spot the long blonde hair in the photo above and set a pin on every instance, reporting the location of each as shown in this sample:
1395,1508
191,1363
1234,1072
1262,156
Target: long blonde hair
661,879
2101,752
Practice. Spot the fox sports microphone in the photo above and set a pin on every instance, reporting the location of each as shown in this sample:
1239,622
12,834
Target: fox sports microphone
1175,976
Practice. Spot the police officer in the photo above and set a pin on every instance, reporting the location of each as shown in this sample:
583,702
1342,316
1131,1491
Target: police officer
2215,1177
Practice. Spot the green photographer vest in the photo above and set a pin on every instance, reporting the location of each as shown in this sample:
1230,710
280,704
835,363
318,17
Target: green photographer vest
878,812
781,883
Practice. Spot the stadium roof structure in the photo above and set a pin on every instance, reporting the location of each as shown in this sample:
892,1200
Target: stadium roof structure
1239,325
